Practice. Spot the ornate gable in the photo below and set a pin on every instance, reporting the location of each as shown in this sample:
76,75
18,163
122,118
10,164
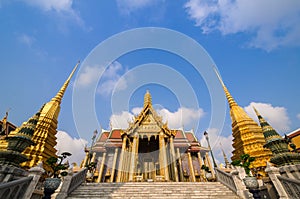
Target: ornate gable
148,122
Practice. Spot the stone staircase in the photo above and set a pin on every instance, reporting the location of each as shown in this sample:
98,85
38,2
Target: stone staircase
159,190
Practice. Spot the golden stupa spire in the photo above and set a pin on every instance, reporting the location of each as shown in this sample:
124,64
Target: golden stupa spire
230,99
147,99
44,134
62,91
247,134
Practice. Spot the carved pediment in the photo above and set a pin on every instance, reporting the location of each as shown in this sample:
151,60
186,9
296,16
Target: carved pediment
148,121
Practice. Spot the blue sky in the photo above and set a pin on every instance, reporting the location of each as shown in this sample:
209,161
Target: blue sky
254,44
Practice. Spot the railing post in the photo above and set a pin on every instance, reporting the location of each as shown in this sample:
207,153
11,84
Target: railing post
36,173
242,191
65,186
273,172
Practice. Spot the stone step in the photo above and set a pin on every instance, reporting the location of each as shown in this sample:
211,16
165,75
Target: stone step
156,190
159,197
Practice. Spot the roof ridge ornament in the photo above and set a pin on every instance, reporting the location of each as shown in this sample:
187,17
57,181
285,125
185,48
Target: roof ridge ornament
147,99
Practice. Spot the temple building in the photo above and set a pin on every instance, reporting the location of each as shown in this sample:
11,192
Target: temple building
295,138
148,150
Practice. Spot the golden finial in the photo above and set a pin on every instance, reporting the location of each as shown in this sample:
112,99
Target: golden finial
147,99
61,92
230,99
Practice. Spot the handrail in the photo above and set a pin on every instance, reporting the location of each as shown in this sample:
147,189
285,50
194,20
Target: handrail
226,179
14,189
291,186
77,180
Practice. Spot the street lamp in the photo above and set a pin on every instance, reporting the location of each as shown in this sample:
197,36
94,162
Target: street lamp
93,140
212,155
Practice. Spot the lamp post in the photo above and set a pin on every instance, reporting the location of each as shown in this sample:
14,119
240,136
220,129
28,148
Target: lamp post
93,140
212,155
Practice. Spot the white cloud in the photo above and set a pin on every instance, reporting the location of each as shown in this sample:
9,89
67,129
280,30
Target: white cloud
183,116
89,75
273,23
26,39
47,5
127,6
63,10
121,120
298,116
112,79
65,143
32,44
277,117
108,77
137,110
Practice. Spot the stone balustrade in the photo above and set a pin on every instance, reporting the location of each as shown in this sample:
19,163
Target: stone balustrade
226,179
291,186
15,189
233,182
71,182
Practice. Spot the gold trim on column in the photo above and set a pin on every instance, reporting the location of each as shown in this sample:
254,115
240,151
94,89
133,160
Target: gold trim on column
163,157
209,165
202,175
191,167
101,167
173,158
85,159
133,158
114,166
93,157
121,166
180,166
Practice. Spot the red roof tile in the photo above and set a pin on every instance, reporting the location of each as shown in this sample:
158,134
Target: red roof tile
115,134
190,136
179,134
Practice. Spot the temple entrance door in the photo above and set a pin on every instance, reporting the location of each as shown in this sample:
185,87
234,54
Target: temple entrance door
149,169
148,156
